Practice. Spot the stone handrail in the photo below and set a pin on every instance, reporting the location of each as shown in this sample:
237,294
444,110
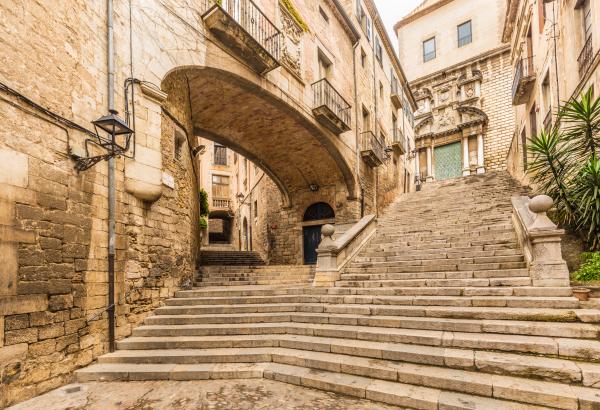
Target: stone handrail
333,255
540,240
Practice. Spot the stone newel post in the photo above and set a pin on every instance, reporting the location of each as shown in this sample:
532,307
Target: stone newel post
327,270
547,267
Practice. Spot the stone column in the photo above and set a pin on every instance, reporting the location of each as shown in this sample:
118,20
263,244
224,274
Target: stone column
429,165
480,166
417,164
465,146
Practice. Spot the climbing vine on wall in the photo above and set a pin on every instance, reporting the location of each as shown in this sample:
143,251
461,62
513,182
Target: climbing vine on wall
204,209
287,4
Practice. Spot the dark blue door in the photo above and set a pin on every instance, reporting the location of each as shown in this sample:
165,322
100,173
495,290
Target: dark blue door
312,238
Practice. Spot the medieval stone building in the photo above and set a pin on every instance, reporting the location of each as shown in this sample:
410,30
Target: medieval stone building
310,92
459,69
555,57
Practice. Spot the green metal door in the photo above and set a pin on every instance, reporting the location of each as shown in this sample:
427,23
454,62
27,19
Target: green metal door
448,161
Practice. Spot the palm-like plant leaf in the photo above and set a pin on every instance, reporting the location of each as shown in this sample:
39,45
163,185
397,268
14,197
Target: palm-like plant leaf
580,121
586,195
551,169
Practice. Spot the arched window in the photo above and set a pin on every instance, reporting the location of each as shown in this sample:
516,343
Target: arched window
317,211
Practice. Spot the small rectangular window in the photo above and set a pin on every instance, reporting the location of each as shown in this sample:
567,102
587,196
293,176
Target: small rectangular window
378,51
465,35
363,57
323,14
220,155
428,49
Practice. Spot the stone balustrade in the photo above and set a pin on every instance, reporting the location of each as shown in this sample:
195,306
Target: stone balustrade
540,240
333,255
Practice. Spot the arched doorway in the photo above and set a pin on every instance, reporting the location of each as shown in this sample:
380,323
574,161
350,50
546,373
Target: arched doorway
245,245
315,217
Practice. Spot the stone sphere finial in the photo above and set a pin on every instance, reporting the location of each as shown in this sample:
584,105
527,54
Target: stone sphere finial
540,203
328,230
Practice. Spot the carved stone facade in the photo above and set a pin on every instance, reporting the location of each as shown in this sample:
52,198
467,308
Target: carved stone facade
469,105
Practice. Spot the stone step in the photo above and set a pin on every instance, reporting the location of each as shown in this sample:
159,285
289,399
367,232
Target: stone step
383,391
169,371
463,282
527,328
423,344
467,260
475,380
386,256
388,291
210,283
399,274
491,341
493,313
441,267
504,301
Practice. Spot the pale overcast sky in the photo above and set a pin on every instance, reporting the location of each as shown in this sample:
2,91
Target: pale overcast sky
393,10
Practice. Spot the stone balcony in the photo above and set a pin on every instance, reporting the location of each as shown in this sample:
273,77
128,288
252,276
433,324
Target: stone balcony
523,81
245,30
221,204
399,143
395,95
372,149
330,108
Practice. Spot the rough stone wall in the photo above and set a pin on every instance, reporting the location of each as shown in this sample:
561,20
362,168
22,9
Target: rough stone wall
53,234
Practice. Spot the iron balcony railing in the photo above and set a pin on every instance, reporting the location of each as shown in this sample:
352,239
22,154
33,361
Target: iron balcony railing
524,69
327,96
252,20
370,142
585,57
400,139
220,203
395,89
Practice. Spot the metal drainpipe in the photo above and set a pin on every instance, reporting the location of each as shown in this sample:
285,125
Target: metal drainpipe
357,134
375,119
555,55
111,184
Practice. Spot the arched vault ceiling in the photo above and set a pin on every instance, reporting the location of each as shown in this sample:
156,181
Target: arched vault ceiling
287,145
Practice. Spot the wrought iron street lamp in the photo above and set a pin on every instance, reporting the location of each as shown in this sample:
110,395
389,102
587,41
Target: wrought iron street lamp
112,134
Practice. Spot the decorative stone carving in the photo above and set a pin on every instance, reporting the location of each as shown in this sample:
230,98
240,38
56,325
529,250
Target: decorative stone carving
446,119
291,45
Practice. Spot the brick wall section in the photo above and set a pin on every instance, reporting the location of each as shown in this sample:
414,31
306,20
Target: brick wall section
497,104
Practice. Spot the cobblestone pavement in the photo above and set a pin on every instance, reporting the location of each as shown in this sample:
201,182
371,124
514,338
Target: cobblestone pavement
196,395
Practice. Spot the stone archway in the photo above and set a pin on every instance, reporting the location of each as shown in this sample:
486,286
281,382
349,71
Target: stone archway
286,143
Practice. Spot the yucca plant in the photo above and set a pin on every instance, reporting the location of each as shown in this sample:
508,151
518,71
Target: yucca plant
565,166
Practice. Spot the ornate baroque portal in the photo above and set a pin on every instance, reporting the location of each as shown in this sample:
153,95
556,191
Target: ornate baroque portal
451,127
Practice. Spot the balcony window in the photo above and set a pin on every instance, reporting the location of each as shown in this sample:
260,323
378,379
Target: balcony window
330,108
242,27
378,51
428,49
364,20
465,35
372,148
220,189
220,155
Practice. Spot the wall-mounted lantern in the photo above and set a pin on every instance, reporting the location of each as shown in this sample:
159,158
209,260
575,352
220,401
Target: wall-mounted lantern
112,134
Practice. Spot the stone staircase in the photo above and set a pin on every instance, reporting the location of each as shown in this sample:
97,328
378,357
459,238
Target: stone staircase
436,312
229,258
254,275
